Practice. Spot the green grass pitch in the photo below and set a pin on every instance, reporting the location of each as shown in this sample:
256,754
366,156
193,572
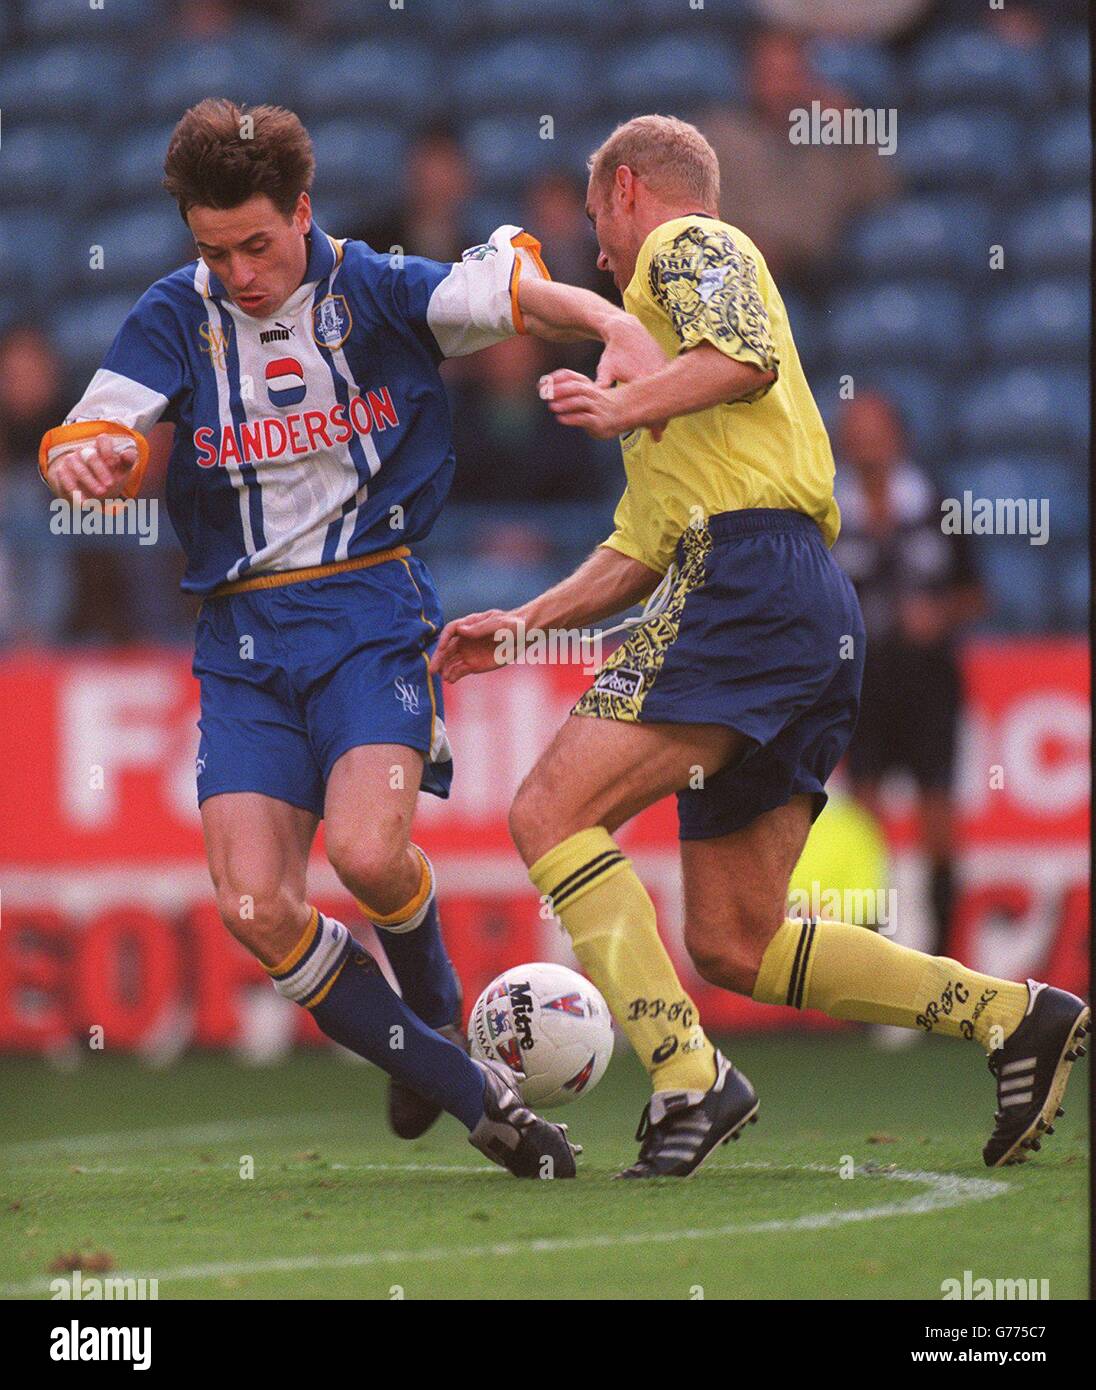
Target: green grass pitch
144,1166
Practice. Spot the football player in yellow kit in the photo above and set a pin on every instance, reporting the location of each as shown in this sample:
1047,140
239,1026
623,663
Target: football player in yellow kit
738,691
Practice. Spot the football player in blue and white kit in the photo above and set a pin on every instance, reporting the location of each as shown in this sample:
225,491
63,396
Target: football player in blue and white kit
312,450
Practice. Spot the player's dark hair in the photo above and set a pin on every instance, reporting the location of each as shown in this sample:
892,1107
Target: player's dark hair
221,154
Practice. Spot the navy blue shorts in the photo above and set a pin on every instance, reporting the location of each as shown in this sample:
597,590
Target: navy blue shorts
762,633
292,677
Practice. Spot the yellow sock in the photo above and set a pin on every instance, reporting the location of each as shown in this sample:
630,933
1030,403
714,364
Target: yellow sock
610,918
853,972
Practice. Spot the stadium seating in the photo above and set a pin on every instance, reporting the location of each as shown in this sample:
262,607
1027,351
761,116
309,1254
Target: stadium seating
1039,322
251,65
994,149
1060,147
50,83
900,322
929,235
974,66
1025,406
389,77
868,73
960,149
674,71
1055,235
542,77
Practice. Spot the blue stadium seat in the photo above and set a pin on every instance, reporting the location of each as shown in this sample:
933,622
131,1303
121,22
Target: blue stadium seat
508,152
137,167
1050,236
1025,407
922,322
540,76
1060,148
139,246
29,240
960,149
1040,322
930,234
865,70
389,76
249,66
975,66
1074,588
528,16
350,19
1072,65
44,162
658,15
47,19
803,320
1019,583
360,158
1053,478
82,329
340,214
482,215
51,82
680,70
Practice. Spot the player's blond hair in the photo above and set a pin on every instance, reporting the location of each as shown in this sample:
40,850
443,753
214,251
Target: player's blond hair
671,157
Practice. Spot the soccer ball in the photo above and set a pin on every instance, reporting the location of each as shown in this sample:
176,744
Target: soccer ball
551,1027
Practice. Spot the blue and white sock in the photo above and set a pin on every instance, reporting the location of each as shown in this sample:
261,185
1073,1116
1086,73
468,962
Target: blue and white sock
342,986
416,952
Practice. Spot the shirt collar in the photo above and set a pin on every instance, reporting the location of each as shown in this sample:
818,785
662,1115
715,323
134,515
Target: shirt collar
321,261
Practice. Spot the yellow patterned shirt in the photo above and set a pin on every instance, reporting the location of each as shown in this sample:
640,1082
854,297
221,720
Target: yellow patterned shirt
699,280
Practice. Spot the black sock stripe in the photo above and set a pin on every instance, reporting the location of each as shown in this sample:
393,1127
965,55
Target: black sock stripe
790,999
564,883
557,899
806,942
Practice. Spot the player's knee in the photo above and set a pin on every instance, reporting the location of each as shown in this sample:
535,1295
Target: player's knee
369,867
532,821
255,914
730,956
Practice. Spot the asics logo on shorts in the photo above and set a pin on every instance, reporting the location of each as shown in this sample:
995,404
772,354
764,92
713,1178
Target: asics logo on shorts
620,681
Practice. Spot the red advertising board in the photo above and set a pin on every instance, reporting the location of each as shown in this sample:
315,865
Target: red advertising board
106,915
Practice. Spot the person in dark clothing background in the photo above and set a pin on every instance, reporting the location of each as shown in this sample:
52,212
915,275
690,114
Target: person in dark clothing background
917,587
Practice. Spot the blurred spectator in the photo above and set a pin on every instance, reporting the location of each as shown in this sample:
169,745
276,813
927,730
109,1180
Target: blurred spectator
917,588
34,584
205,19
556,215
433,221
793,200
864,19
509,447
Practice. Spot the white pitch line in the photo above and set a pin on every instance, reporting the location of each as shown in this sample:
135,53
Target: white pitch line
945,1191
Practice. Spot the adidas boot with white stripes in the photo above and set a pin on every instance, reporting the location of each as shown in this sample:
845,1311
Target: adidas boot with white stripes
680,1129
1032,1069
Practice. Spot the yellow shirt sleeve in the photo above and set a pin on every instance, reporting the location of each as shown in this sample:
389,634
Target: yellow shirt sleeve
710,289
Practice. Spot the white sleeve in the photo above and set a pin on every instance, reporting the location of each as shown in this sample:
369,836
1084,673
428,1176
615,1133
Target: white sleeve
477,302
110,396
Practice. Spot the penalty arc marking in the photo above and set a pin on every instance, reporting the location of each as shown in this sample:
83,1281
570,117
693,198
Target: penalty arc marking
941,1192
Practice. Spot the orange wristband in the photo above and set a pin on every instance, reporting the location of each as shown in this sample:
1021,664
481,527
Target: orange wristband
89,429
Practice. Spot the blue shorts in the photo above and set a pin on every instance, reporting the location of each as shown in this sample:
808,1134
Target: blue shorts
291,677
762,633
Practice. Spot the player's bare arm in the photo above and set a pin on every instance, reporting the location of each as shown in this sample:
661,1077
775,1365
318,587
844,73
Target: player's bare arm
566,313
607,582
697,379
